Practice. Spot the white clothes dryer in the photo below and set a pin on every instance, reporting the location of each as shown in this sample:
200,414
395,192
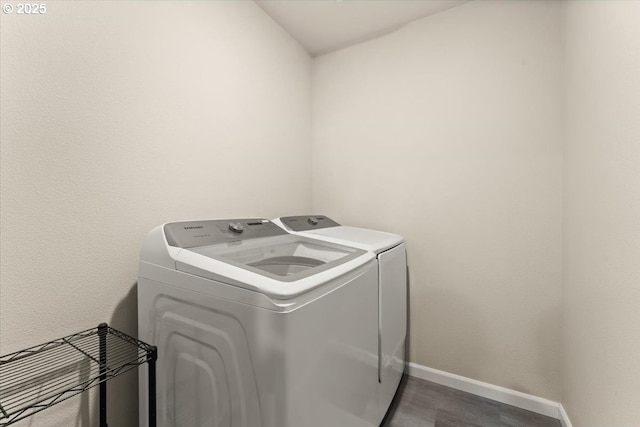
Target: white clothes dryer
390,251
256,327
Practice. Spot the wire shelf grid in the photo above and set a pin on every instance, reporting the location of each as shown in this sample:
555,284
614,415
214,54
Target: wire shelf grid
41,376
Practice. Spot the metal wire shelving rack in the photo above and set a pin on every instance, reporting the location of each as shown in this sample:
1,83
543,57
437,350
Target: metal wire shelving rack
39,377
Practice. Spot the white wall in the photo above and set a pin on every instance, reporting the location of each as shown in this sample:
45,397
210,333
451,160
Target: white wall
117,117
448,132
601,293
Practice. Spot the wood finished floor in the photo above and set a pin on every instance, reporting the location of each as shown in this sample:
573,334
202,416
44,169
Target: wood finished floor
421,403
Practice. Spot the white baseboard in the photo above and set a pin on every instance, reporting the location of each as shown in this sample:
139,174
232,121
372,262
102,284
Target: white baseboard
564,418
490,391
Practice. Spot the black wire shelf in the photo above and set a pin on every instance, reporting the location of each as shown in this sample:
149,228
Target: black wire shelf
39,377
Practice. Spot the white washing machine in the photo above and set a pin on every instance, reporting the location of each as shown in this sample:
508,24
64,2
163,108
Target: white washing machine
391,258
256,327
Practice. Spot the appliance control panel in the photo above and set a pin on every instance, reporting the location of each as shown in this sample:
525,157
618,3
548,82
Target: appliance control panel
190,234
308,222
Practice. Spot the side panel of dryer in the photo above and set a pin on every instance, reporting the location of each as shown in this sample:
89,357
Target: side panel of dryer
392,322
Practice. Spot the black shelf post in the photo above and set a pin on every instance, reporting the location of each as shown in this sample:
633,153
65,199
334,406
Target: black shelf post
102,334
153,356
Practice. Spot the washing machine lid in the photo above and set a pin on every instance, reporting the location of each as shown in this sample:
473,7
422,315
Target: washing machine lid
326,229
260,257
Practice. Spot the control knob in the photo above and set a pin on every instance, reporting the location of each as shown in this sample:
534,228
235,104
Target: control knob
312,220
236,227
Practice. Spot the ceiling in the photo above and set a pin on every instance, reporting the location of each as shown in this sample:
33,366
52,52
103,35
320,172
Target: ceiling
322,26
